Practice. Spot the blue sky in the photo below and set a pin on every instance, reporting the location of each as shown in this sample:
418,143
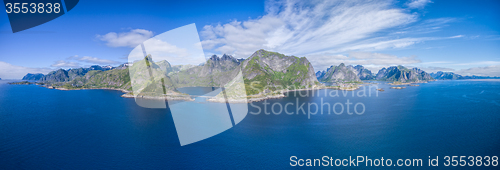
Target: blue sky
458,36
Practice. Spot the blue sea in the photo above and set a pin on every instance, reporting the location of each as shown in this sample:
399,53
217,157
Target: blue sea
44,128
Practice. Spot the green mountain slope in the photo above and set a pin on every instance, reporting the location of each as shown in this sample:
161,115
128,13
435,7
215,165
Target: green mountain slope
116,78
269,71
262,72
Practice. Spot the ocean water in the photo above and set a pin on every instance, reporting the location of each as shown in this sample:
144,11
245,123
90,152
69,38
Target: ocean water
43,128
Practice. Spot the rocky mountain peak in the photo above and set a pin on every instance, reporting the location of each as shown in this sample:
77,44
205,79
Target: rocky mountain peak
60,75
33,77
214,58
402,74
97,67
227,57
341,73
446,76
363,74
123,66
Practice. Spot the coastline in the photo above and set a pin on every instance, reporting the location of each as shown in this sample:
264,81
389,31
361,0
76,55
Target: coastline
246,99
180,97
249,99
104,88
280,94
409,83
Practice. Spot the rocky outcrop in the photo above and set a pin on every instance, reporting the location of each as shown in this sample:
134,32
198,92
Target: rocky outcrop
320,74
33,77
364,74
341,73
446,76
123,66
79,72
403,74
214,72
101,68
269,71
60,75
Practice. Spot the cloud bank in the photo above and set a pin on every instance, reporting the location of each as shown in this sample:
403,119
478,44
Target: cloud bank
65,64
92,60
301,28
493,71
9,71
126,39
412,4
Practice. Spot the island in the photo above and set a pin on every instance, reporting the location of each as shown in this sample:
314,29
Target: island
263,75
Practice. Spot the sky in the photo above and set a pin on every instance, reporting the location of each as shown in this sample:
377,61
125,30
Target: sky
433,35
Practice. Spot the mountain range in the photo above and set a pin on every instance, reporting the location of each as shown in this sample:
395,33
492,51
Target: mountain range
262,72
446,76
453,76
343,74
403,74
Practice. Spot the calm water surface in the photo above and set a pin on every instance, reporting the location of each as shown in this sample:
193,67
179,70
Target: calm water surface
97,129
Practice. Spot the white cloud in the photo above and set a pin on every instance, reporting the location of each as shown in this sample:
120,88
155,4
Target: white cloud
425,26
126,39
161,47
478,63
65,64
474,37
457,36
418,3
93,60
178,46
9,71
431,69
161,50
436,62
471,68
493,70
382,44
299,28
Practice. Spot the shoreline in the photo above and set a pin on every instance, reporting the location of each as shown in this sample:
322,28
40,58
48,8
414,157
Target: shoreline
249,99
104,88
168,98
281,94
